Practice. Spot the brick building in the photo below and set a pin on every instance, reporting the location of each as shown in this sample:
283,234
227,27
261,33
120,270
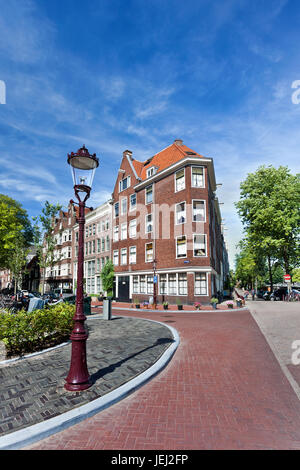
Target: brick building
97,247
165,209
60,274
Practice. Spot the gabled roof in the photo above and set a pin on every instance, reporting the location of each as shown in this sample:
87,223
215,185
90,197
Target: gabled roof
165,158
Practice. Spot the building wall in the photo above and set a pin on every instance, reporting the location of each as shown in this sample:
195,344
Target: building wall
189,278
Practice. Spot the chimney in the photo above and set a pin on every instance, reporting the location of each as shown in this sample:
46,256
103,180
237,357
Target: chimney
178,141
127,153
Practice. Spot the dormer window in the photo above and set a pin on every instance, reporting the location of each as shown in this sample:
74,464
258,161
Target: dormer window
124,184
151,171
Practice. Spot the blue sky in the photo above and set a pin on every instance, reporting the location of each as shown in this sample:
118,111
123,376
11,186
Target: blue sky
136,74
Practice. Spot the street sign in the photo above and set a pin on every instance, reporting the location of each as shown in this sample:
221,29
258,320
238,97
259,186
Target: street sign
155,279
287,277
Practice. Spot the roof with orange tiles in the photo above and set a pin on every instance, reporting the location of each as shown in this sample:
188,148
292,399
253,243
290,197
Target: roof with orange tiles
165,158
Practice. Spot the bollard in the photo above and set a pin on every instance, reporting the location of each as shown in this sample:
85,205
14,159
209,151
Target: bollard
107,309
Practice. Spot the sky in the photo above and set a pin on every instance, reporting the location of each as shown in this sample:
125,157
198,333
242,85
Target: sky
222,75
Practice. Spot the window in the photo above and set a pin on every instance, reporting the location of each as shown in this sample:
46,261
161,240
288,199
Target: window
200,284
143,284
151,171
76,236
124,231
135,287
148,224
124,206
107,243
198,211
124,184
124,256
94,229
98,245
179,180
197,177
116,233
180,213
116,209
182,284
132,228
98,265
99,284
102,263
102,244
90,230
132,255
181,247
149,194
149,284
199,245
149,252
94,245
163,284
172,284
116,257
132,201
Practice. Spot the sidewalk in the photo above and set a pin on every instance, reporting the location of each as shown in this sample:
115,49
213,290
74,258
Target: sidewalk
122,354
159,307
223,389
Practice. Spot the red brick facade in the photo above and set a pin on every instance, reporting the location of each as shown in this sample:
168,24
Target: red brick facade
177,223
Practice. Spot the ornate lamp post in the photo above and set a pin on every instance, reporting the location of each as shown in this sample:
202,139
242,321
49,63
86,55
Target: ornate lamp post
83,166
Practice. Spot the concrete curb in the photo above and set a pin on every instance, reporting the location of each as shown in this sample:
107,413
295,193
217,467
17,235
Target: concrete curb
31,434
145,310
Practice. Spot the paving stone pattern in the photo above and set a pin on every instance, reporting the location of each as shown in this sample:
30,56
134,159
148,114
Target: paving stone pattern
32,390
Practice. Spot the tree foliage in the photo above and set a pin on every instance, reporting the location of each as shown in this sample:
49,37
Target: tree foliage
44,239
107,276
269,208
14,225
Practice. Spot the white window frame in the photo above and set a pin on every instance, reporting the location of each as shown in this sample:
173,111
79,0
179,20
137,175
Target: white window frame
130,228
176,221
203,169
181,257
204,206
151,171
123,251
122,212
130,255
131,207
150,261
122,237
116,233
175,180
148,223
127,184
186,280
147,187
114,253
205,243
206,284
136,284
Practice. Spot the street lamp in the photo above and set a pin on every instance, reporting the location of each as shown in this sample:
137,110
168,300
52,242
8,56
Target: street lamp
83,166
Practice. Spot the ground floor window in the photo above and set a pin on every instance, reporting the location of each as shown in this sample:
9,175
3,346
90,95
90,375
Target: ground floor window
200,284
170,284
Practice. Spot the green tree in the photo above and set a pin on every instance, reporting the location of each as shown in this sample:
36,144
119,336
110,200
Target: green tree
17,261
44,239
107,276
269,208
14,223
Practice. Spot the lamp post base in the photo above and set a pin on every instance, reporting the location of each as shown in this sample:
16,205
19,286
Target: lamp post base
78,387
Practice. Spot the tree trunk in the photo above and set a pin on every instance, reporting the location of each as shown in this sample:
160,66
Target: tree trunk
270,272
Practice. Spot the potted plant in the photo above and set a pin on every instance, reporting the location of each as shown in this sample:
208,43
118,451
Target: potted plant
214,302
165,305
197,305
137,303
229,303
179,304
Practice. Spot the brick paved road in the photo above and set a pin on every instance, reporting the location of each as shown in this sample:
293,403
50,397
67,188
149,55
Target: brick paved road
223,389
32,390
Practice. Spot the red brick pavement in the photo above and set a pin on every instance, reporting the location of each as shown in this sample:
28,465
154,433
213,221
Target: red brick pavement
223,389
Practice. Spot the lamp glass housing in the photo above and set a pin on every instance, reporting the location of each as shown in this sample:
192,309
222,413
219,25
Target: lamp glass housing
83,166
